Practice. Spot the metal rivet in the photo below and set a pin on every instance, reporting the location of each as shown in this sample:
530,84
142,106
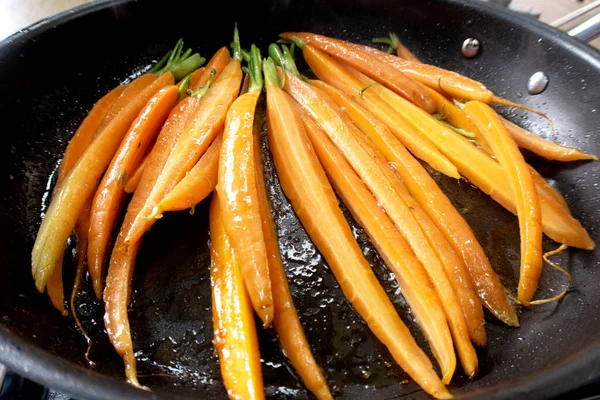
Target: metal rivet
470,47
537,83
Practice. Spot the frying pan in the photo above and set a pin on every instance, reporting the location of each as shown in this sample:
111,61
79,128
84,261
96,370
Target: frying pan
51,74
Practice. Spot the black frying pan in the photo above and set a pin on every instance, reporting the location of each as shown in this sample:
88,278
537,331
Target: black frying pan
52,73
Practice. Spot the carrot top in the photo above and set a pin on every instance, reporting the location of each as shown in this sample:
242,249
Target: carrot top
180,63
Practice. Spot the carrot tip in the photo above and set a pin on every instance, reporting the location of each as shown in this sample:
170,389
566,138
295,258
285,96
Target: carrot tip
156,214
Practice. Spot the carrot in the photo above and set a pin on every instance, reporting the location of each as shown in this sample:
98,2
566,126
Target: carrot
129,93
486,174
453,265
110,195
233,320
198,134
330,71
543,186
286,321
304,182
85,133
452,114
238,195
375,68
55,288
81,183
134,180
435,203
543,147
526,195
396,45
197,184
391,245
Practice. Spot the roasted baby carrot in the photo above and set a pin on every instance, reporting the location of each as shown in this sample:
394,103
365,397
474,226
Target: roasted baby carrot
526,198
332,72
239,197
286,321
391,245
233,320
435,203
198,134
371,66
110,195
305,184
134,179
543,147
85,133
80,185
197,184
218,62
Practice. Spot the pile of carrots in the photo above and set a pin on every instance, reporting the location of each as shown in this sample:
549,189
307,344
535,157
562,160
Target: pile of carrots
356,132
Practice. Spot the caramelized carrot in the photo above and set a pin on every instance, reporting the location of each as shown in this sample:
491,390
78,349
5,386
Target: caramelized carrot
304,182
134,180
129,93
526,197
235,334
435,203
453,265
371,66
110,195
330,71
543,147
81,183
197,184
391,245
239,197
85,133
198,134
286,321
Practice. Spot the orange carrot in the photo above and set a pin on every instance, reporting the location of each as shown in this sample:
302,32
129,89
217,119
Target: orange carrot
134,88
286,321
435,203
391,245
218,62
396,45
198,134
85,133
238,195
304,182
371,66
330,71
55,288
543,147
197,184
544,187
110,195
122,262
450,113
526,198
81,183
235,334
134,180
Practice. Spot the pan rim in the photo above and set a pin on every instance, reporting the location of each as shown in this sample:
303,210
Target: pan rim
38,364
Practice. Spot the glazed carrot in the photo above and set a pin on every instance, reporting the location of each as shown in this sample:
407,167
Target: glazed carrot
544,187
453,265
286,321
435,203
526,198
134,180
110,195
127,95
305,184
85,133
543,147
450,113
332,72
55,288
238,195
391,245
197,184
233,320
81,183
199,133
371,66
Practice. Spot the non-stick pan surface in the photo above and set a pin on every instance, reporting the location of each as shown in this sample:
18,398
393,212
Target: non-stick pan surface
52,73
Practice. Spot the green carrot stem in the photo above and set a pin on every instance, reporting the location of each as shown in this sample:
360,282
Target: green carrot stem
201,91
236,48
270,73
255,70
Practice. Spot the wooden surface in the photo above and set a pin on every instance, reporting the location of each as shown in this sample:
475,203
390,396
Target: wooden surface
17,14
